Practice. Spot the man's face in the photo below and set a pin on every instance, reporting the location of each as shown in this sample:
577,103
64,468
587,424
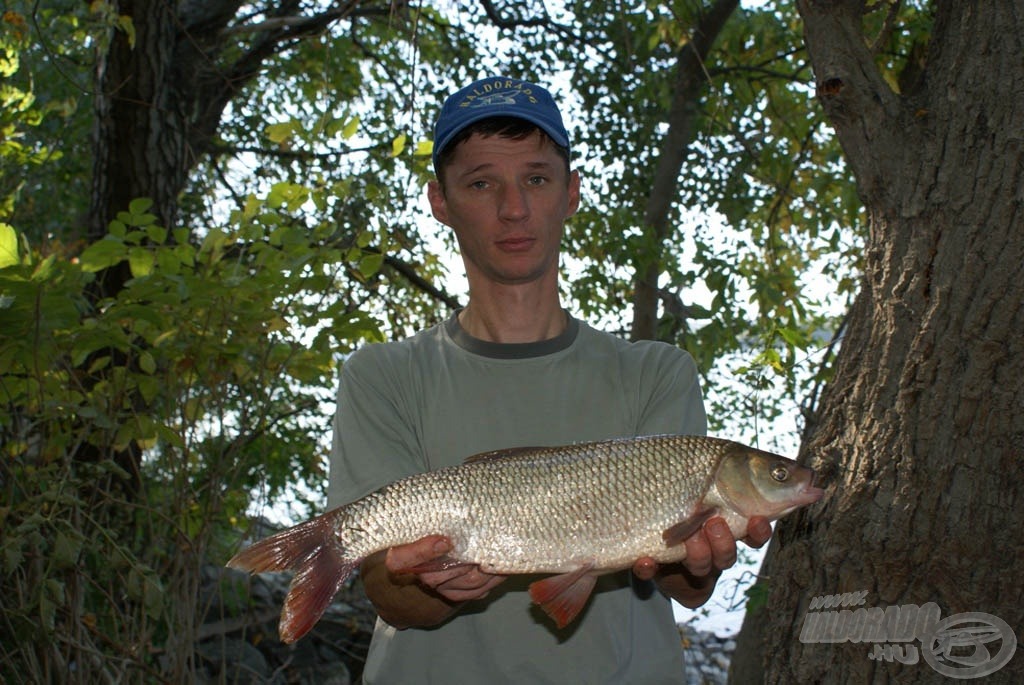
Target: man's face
507,201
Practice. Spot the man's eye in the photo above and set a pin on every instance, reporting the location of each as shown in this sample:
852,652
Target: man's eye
538,180
478,185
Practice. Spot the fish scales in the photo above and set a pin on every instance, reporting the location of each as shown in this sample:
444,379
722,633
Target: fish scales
577,510
544,510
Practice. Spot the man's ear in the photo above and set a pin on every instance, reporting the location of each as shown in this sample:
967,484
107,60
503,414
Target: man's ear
438,203
574,192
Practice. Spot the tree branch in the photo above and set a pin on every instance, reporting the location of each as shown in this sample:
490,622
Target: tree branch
887,26
421,283
690,77
218,149
855,97
502,23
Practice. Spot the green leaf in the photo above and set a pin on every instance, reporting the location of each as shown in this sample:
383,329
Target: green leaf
146,363
140,205
124,22
103,254
8,246
153,596
149,388
168,262
424,148
278,133
44,270
397,145
793,337
156,234
757,596
369,264
51,597
66,549
13,554
141,261
213,244
350,128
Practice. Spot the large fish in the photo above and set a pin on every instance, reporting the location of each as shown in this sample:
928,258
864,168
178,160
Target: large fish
578,511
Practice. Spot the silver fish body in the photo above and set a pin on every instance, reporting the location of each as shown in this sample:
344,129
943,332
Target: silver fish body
544,510
577,510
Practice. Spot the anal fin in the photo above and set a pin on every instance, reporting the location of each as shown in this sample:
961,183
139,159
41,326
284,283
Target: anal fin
562,597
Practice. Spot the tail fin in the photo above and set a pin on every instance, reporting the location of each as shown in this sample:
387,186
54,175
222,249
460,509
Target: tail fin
311,550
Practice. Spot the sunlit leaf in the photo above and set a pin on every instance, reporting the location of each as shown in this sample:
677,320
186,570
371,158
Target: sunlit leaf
141,261
103,254
398,145
8,245
350,128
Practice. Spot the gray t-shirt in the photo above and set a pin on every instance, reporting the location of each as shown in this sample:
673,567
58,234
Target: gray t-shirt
441,396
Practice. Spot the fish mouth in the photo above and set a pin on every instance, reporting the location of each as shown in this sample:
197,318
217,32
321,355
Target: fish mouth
811,493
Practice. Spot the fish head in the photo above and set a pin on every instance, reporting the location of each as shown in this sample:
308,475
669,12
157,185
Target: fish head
756,483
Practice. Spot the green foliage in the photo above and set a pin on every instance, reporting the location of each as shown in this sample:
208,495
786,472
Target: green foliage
20,114
205,362
45,186
208,378
766,222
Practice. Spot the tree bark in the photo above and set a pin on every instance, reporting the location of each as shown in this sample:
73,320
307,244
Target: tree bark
138,137
921,432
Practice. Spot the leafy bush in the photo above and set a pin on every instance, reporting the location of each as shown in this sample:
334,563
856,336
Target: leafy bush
135,430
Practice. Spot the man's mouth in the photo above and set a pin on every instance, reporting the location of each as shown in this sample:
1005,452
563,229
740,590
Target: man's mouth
518,244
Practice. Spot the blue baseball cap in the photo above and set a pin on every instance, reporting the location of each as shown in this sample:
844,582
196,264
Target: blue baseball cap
498,96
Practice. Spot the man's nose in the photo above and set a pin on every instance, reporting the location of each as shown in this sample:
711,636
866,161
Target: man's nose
513,203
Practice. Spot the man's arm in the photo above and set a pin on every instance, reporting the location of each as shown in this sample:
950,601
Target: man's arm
709,551
405,599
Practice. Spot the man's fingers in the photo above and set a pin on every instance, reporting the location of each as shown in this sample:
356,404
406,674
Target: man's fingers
473,584
402,557
645,568
459,582
698,554
723,544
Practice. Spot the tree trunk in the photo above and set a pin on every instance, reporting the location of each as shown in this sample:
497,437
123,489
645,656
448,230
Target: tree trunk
139,135
921,433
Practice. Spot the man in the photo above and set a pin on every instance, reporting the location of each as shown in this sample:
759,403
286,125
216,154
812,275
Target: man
513,368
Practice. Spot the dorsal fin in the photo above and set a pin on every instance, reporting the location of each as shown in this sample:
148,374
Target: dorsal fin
501,454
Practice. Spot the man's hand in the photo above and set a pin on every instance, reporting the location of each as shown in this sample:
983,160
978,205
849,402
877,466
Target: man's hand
406,598
709,551
456,583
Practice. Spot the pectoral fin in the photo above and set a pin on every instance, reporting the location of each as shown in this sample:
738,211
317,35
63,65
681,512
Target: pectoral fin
562,597
676,534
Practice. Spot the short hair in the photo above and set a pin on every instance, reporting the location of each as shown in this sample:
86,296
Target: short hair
505,127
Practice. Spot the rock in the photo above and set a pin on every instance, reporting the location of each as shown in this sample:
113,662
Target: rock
235,661
706,656
239,642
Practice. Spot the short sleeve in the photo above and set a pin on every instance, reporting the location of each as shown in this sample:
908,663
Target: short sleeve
670,398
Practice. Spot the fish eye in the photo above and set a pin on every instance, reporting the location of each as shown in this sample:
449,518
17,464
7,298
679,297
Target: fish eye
780,473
